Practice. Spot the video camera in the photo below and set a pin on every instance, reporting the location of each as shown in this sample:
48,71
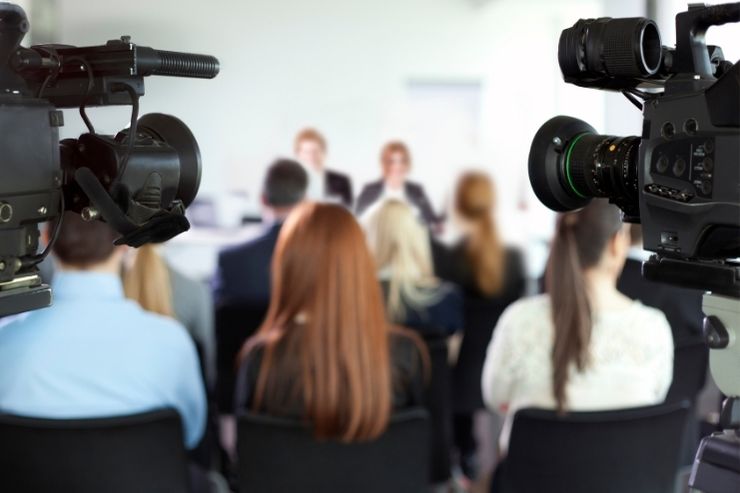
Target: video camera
139,181
680,179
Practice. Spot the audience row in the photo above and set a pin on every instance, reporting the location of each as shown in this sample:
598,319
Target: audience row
343,312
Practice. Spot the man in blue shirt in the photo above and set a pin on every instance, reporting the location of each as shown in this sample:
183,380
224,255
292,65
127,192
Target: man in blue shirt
94,353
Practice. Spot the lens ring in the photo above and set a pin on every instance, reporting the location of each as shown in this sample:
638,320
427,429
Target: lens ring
568,173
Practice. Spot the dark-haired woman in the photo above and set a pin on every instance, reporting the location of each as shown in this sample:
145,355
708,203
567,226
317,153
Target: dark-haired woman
583,346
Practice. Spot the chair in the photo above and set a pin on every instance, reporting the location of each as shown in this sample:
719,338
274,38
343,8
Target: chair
278,455
235,323
142,453
636,450
440,408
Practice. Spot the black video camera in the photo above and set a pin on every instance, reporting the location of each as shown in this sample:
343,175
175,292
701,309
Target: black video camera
681,178
139,181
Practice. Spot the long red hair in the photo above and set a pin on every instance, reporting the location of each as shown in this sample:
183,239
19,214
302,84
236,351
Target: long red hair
326,315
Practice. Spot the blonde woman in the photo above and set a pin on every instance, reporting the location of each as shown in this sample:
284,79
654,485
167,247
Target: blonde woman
414,297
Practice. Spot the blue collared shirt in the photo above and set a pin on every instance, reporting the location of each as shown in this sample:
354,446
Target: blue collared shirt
96,354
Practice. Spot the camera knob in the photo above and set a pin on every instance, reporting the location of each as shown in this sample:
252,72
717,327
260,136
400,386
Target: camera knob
715,333
6,212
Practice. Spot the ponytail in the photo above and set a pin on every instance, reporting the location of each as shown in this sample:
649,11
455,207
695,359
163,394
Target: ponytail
580,241
486,254
572,318
474,202
148,282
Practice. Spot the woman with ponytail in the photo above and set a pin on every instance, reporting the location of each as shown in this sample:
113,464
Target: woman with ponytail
158,288
491,277
583,346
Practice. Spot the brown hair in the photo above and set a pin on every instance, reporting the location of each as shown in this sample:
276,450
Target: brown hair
326,314
147,282
580,240
474,202
83,243
309,134
392,147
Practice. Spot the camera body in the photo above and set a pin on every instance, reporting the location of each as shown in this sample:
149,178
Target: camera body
139,181
681,178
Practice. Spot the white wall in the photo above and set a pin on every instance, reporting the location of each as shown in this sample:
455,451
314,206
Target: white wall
343,66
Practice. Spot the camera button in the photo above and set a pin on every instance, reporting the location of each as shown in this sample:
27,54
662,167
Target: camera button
668,130
662,165
706,187
679,167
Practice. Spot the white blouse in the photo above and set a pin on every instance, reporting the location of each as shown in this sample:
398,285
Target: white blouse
631,361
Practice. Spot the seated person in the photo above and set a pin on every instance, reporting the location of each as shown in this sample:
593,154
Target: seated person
414,297
94,354
243,274
583,346
324,185
395,161
326,354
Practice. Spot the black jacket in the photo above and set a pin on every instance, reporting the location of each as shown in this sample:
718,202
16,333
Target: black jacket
243,273
339,186
414,194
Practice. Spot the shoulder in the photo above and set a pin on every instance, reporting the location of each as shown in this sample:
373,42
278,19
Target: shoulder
372,187
336,176
525,311
645,316
160,331
246,250
414,188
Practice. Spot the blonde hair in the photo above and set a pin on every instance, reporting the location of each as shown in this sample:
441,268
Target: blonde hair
474,202
147,282
401,247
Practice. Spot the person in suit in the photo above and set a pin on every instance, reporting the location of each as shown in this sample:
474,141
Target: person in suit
243,272
491,277
395,160
326,355
310,149
242,284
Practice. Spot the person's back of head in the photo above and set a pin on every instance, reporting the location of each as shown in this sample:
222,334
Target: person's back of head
284,186
402,251
86,245
583,242
474,203
326,312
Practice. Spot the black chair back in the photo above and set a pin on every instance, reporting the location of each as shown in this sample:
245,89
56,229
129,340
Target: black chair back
438,403
142,453
283,455
636,450
235,323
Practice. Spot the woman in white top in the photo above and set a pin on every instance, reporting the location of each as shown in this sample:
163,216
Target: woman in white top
597,349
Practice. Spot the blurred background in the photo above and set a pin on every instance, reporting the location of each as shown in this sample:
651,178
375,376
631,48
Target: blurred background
456,79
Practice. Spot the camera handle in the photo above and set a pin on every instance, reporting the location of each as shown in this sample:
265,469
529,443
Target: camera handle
717,465
691,53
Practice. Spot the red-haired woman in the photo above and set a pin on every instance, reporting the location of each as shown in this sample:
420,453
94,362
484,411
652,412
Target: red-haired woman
325,353
395,161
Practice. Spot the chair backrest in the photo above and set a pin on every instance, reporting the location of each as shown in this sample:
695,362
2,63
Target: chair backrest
283,455
142,453
235,323
439,405
636,450
690,364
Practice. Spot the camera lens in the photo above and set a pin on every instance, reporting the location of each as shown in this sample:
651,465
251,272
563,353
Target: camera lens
172,131
606,48
569,163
